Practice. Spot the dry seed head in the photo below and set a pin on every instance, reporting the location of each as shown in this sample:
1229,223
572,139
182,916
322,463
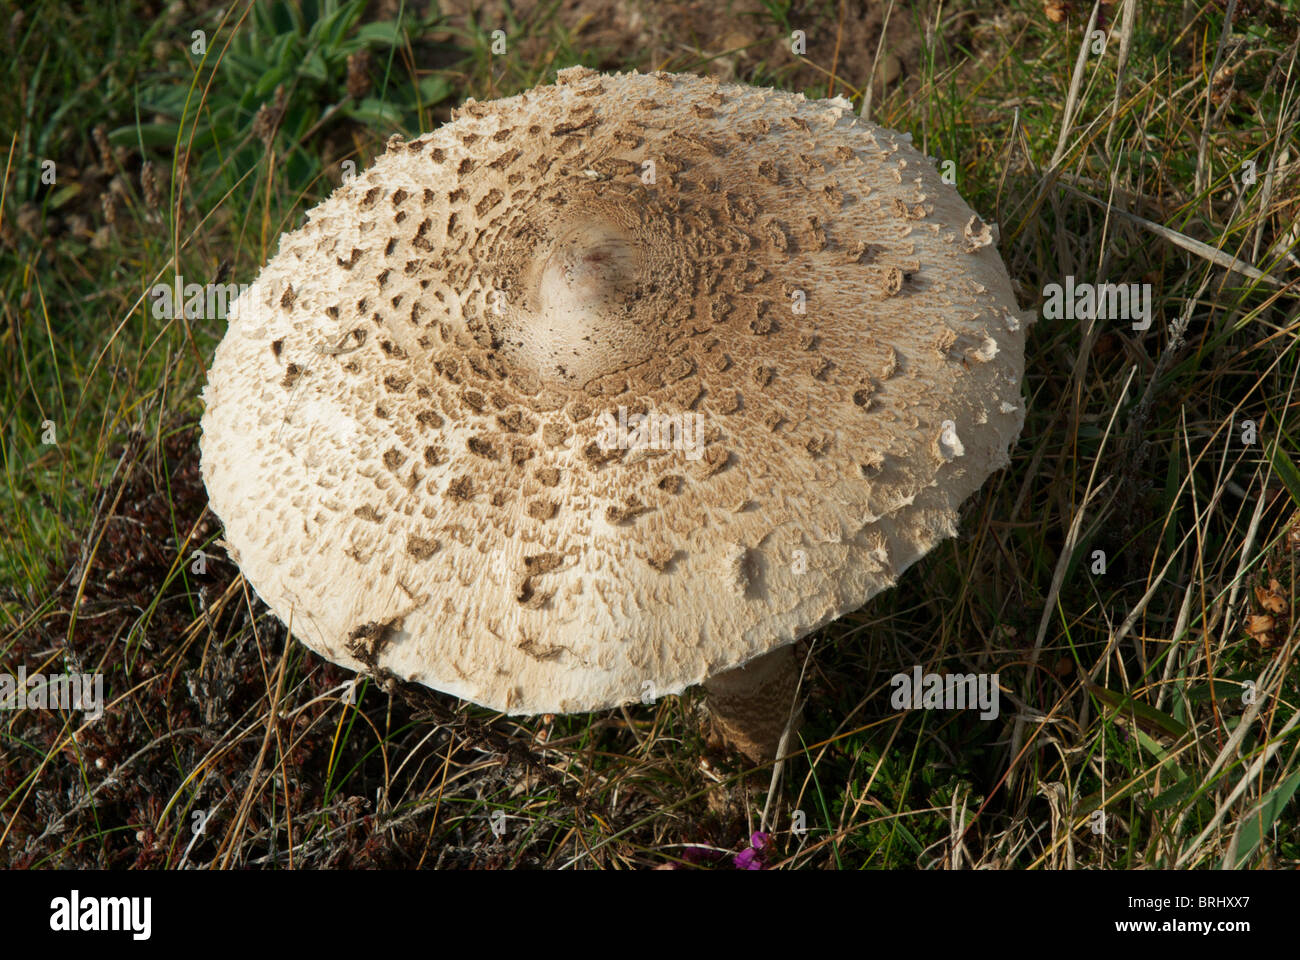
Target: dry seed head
268,117
358,82
100,136
149,186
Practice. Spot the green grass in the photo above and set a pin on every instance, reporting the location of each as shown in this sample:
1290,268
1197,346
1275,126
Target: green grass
1123,691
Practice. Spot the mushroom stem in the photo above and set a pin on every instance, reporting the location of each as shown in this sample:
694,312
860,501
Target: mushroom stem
751,704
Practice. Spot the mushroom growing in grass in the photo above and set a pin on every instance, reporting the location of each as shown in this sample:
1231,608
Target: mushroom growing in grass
609,389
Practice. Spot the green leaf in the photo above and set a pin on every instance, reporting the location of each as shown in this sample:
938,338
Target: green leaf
1172,478
168,100
1144,715
280,54
61,196
1174,796
388,34
297,19
376,113
917,847
1254,827
314,67
298,121
264,90
434,89
150,134
1286,471
342,23
246,68
264,25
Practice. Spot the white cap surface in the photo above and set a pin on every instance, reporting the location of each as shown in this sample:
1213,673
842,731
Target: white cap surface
411,428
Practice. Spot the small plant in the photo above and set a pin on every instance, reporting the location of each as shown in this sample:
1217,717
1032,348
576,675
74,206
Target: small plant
293,71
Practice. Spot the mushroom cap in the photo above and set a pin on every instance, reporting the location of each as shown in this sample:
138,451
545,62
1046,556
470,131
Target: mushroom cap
412,430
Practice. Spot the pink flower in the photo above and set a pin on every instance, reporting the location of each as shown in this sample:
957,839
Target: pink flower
748,859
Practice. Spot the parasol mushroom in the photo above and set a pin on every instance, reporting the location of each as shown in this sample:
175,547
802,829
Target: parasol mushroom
609,389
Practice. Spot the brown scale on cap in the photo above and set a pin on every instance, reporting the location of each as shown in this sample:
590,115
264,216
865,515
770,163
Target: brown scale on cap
539,264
